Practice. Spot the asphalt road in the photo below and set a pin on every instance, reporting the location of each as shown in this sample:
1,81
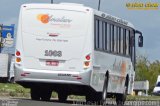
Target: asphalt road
28,102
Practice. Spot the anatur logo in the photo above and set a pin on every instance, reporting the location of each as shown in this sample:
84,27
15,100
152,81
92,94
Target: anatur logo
45,18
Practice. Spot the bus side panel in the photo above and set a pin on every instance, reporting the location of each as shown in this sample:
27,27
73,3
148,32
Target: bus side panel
104,62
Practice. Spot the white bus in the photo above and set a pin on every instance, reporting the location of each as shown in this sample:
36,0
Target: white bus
72,49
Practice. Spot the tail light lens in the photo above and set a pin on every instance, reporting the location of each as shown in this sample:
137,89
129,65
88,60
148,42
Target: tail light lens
87,61
18,53
18,56
88,57
18,59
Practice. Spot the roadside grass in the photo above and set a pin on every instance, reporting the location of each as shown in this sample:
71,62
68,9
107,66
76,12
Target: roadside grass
15,90
143,98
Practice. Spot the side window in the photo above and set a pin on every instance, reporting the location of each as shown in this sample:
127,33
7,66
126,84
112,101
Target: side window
127,42
100,36
132,46
115,39
96,34
111,35
112,38
106,36
124,41
121,41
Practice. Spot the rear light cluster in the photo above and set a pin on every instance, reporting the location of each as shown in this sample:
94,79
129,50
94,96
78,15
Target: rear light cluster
18,56
87,61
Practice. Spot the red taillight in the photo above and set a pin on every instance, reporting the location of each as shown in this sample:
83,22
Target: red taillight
18,53
87,61
88,57
18,56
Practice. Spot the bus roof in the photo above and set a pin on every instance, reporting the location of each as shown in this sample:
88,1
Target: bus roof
61,6
82,8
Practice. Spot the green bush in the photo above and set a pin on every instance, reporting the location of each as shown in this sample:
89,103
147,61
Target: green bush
54,95
13,93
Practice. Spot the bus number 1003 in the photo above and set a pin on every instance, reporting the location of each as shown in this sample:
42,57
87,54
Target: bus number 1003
53,53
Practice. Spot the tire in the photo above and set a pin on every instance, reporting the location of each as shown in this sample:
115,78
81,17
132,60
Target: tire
62,97
46,95
105,89
96,97
35,94
93,98
121,98
12,80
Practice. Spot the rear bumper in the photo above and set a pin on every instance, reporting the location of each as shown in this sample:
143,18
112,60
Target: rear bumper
23,75
76,89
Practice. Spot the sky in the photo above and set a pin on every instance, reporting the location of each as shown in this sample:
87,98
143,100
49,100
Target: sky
147,21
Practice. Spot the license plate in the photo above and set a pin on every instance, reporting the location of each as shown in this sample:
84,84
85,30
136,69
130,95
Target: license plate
52,63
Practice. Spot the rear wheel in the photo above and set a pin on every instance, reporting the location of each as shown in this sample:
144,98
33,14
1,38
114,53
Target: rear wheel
46,95
12,80
40,94
93,98
35,94
62,96
121,98
105,89
98,98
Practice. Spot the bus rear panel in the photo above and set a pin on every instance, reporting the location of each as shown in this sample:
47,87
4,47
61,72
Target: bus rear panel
53,45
